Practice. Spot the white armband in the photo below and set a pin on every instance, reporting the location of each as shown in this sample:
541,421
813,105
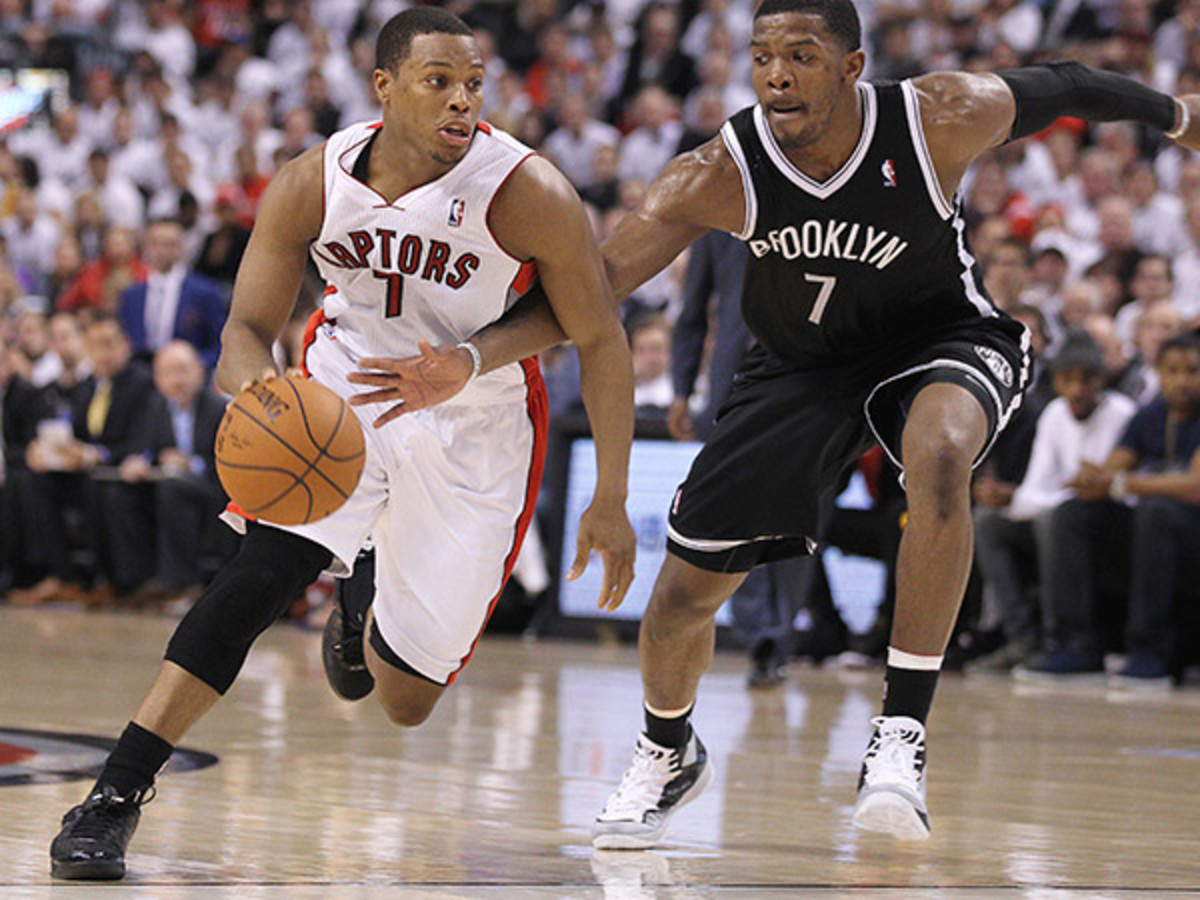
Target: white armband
476,359
1185,120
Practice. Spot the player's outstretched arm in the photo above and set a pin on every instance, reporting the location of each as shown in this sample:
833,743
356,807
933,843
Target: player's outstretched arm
559,240
964,114
698,191
268,279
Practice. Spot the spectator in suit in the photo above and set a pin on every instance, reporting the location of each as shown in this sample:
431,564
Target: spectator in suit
1157,464
168,494
172,302
106,414
655,57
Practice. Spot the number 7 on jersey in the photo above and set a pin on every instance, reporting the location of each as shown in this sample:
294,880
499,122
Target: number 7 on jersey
827,283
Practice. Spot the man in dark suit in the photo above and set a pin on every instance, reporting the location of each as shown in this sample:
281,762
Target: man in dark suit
167,497
107,415
172,303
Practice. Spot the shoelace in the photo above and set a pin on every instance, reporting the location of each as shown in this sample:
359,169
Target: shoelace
350,648
105,807
892,755
642,785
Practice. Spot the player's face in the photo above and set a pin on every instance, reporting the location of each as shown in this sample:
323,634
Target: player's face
801,73
436,94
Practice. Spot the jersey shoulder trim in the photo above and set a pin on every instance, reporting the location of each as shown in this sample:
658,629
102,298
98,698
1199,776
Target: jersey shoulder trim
912,109
734,146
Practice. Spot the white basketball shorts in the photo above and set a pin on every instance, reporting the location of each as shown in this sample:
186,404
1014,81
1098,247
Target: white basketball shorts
446,494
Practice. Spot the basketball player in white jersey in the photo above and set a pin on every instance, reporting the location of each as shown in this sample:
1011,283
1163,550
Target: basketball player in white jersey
426,227
873,326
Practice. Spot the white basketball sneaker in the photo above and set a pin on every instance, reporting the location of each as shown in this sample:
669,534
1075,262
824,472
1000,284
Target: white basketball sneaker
660,781
891,788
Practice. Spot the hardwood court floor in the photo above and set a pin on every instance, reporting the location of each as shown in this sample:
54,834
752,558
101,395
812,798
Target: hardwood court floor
1059,793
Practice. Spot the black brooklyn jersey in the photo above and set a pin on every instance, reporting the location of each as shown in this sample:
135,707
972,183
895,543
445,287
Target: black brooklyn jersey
872,257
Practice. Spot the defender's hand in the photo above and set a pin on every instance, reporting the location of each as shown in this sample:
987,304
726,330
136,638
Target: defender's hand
604,527
415,382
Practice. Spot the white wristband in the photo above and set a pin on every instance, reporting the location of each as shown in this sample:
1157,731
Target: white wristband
1185,120
476,359
1118,489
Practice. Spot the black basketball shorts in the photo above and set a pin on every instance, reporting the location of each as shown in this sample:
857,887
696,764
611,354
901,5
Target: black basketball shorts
787,435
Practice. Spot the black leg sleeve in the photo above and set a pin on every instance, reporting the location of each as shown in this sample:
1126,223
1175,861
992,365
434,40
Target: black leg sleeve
249,593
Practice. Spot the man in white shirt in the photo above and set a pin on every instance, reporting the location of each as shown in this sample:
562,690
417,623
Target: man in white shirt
123,203
649,147
572,146
1082,424
32,237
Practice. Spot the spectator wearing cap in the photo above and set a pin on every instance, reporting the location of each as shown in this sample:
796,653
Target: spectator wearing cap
1082,424
1141,506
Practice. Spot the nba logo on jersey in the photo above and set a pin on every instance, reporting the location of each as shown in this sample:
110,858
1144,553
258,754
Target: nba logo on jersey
458,208
889,173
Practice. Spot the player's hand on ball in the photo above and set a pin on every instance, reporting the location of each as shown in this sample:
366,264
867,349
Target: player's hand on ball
413,383
266,375
605,528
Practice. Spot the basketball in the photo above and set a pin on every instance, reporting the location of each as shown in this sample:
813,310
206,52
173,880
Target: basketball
289,451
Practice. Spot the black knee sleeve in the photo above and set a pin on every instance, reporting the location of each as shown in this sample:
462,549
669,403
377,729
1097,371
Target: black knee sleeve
249,593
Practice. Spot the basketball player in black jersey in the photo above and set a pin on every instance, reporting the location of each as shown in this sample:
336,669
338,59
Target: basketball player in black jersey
872,326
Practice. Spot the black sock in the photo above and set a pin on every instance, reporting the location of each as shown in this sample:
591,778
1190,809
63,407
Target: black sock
669,732
909,692
357,592
135,760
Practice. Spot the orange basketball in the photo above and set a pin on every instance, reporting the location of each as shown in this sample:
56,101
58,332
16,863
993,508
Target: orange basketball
289,451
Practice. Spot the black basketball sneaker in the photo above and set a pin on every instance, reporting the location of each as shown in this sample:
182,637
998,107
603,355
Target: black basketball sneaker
91,845
342,643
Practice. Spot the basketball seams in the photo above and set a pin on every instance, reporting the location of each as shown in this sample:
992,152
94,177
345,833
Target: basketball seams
323,449
311,465
258,467
296,482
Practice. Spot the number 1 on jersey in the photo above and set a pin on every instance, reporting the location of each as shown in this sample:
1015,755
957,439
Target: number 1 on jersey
827,283
395,292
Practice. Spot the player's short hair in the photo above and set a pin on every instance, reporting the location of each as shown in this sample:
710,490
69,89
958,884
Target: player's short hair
396,36
841,18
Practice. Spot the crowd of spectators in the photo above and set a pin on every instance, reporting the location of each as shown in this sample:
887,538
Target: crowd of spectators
125,205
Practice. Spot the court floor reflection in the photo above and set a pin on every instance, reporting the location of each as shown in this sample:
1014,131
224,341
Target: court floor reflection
1074,793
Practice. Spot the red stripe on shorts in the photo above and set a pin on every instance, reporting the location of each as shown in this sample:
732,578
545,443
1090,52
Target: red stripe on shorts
539,415
315,321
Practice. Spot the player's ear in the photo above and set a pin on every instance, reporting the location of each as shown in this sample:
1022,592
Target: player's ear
852,65
383,83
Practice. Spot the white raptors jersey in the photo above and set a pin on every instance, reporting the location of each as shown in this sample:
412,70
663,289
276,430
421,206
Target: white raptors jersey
424,267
